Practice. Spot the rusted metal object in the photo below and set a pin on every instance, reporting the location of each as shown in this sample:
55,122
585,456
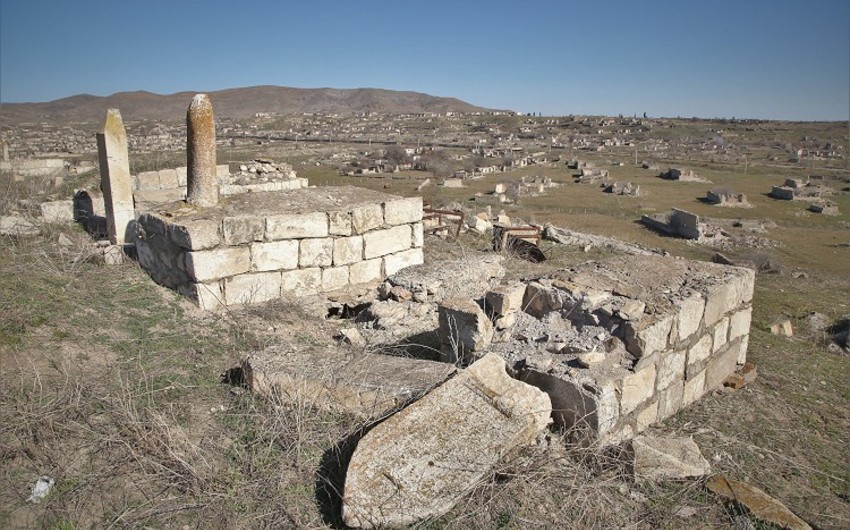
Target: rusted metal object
445,218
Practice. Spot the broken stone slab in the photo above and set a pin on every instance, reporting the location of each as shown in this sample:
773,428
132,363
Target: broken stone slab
12,225
579,239
782,327
658,458
758,503
464,329
419,462
366,385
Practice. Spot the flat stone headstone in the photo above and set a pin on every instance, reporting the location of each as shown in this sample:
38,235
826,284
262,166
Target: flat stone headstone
115,179
419,462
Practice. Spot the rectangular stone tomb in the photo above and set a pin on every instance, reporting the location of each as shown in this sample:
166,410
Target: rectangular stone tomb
256,247
623,343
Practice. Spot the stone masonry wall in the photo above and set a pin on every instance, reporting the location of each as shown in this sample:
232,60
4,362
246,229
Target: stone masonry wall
620,344
262,246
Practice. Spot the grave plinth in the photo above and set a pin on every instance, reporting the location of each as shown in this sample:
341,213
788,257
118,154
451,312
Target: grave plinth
256,247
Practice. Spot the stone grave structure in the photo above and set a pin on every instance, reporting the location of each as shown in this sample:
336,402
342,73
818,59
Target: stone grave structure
255,247
618,344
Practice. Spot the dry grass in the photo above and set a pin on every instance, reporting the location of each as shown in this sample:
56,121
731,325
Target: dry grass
113,386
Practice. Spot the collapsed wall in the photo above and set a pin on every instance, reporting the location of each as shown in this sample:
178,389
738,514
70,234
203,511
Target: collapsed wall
256,247
619,344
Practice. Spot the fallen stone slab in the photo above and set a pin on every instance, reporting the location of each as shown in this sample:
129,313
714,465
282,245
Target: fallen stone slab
367,385
667,458
579,239
11,225
757,502
419,462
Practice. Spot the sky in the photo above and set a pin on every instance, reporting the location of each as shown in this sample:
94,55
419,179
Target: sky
769,59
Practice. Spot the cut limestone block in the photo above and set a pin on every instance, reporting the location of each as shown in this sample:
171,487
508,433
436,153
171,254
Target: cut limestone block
667,458
464,329
419,462
367,385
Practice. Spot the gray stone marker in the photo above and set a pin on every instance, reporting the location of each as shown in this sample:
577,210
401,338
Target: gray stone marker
202,181
115,179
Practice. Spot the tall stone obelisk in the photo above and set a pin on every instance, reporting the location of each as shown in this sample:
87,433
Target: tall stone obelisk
115,180
202,181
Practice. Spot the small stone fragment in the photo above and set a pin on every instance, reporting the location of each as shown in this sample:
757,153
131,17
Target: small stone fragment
588,359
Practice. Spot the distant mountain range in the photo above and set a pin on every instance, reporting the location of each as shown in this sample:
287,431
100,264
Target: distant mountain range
232,103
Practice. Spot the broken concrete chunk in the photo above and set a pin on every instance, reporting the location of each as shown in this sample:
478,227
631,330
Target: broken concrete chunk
667,458
419,462
782,327
464,329
367,385
757,502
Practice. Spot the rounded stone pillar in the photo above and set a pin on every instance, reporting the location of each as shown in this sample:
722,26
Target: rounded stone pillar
202,181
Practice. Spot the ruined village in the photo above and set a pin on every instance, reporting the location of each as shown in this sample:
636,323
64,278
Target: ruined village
433,319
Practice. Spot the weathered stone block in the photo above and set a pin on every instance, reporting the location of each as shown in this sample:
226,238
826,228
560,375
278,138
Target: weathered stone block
403,211
365,218
334,278
700,351
658,458
147,181
691,310
365,271
418,235
274,255
539,299
737,291
694,388
316,252
367,386
182,175
339,223
670,400
382,242
208,296
240,230
301,281
647,337
195,235
205,265
407,469
252,288
57,211
464,329
347,250
296,226
637,388
401,260
722,365
671,369
739,323
646,417
720,334
168,178
505,299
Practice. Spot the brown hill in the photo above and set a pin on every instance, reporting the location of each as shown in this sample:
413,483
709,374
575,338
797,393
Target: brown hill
232,103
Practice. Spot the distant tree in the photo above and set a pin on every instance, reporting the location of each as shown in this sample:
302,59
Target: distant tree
396,155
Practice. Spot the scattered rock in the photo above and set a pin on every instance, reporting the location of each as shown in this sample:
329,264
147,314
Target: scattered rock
745,376
352,336
757,502
464,329
658,458
590,358
782,327
419,462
